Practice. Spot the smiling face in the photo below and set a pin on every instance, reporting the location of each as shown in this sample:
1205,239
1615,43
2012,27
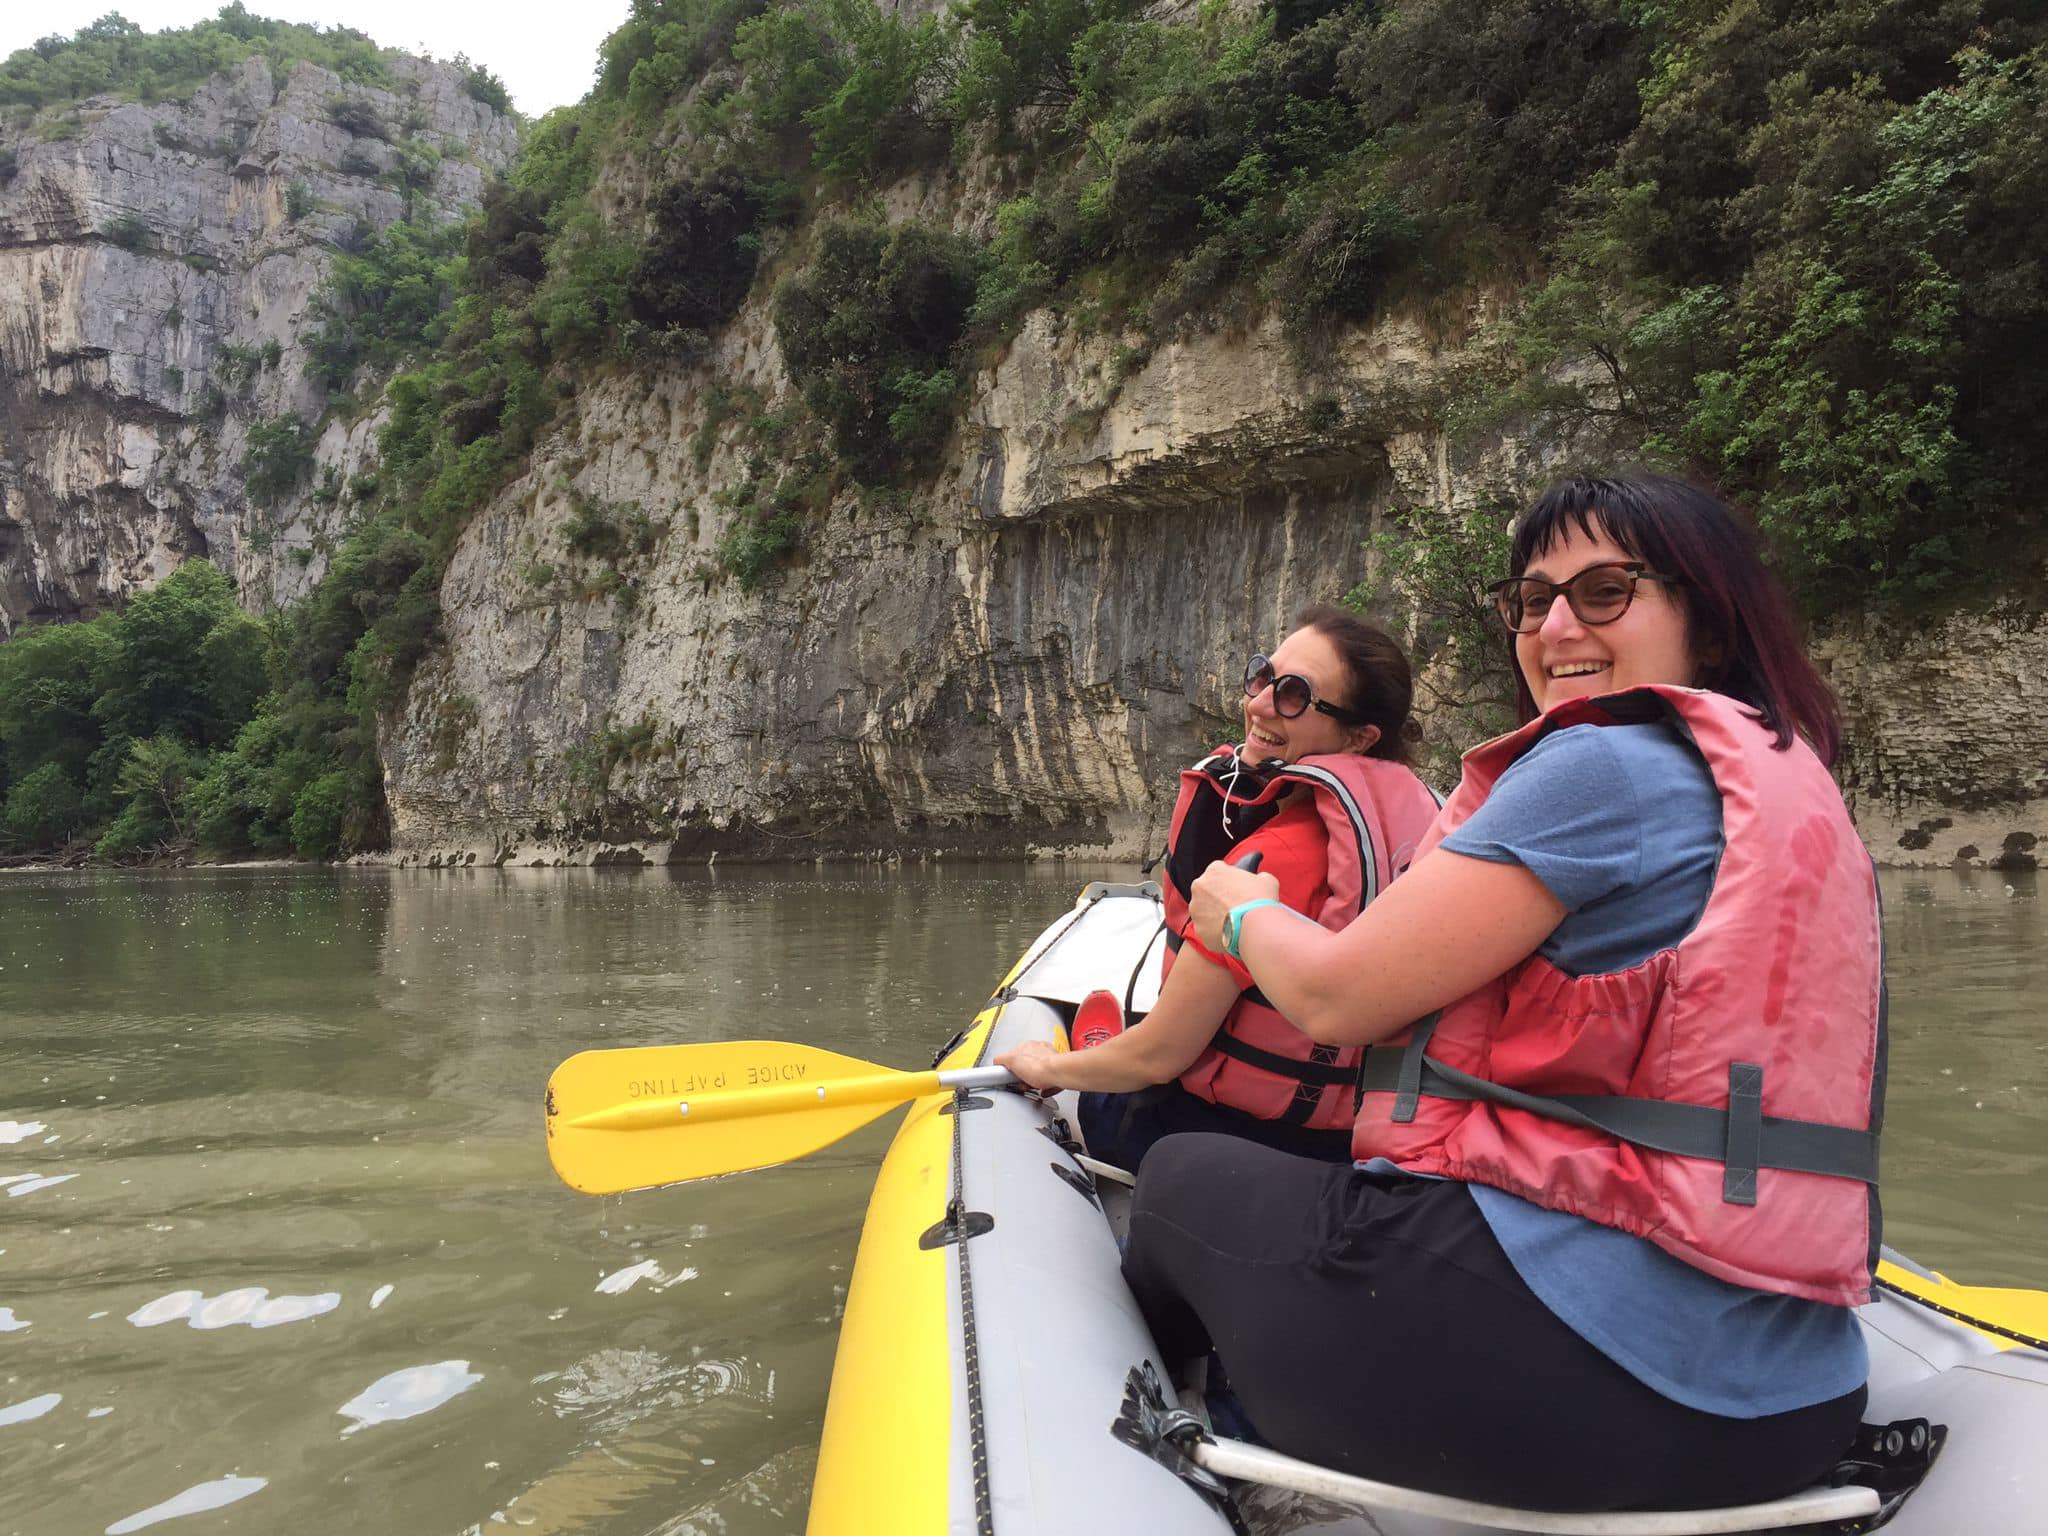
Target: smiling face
1269,738
1569,659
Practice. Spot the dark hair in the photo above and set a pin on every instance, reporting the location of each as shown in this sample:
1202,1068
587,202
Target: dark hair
1739,623
1381,689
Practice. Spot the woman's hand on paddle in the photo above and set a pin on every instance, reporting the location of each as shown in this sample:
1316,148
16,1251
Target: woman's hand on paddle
1036,1065
1221,887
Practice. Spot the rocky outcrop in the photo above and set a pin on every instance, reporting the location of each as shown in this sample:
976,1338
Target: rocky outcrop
156,269
1947,758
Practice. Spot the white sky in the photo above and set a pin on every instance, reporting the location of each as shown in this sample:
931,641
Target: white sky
546,53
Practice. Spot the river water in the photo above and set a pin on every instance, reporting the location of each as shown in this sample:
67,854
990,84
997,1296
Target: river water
280,1248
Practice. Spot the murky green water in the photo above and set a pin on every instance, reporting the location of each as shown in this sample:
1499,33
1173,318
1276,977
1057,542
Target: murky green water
278,1226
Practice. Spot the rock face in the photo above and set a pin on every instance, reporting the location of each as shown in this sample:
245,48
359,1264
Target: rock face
155,286
1018,658
1947,759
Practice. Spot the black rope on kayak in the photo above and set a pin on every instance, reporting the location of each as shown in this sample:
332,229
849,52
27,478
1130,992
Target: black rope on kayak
977,1426
1963,1317
1131,987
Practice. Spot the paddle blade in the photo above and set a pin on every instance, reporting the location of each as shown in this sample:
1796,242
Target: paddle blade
759,1119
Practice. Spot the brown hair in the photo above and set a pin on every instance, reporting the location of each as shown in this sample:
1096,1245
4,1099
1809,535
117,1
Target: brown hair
1740,626
1381,689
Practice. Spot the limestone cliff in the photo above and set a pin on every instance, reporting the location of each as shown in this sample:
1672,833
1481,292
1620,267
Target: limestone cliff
1016,657
156,267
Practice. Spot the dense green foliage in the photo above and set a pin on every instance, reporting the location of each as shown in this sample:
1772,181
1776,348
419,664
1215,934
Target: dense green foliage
280,452
699,258
384,302
115,56
113,732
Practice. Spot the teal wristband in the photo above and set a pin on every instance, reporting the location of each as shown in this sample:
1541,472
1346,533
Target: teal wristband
1233,925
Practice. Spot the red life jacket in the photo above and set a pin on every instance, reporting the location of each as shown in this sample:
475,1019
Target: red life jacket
1721,1099
1374,814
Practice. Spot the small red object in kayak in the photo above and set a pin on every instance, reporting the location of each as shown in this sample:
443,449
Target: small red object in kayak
1100,1017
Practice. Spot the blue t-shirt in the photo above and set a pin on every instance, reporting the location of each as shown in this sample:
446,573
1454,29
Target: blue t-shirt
1622,824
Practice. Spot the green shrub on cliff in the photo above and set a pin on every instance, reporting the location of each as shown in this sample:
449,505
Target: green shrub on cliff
280,452
1792,247
698,262
869,332
383,303
867,88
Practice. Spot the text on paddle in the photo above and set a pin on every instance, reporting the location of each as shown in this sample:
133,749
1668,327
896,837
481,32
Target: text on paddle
756,1076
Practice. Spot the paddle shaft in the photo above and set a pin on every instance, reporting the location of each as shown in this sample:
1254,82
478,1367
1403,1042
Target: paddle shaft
748,1101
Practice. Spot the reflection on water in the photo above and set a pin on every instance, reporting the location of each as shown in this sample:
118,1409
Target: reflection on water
29,1183
217,1494
33,1408
239,1099
407,1394
251,1304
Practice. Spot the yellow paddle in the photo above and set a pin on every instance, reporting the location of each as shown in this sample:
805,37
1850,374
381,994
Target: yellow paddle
661,1114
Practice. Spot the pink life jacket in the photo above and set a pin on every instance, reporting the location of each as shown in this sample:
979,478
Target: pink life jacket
1721,1099
1374,814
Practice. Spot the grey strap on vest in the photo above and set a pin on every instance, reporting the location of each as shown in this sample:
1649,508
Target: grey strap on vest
1408,1081
1745,1132
1742,1137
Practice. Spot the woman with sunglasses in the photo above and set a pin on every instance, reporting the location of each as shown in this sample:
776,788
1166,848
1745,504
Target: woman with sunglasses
1322,793
1615,1192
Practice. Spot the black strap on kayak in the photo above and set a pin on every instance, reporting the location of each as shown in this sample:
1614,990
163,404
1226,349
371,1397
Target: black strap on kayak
977,1421
1741,1137
1962,1317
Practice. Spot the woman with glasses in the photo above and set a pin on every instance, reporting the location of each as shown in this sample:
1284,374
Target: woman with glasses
1615,1191
1321,792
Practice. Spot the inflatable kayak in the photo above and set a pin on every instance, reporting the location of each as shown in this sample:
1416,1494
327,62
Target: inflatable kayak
995,1378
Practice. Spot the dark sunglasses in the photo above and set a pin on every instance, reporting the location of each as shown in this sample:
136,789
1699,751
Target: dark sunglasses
1599,594
1291,693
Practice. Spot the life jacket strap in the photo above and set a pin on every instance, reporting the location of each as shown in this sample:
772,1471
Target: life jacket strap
1741,1137
1321,1071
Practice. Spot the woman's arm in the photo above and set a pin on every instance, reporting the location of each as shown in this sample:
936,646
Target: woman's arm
1446,927
1157,1049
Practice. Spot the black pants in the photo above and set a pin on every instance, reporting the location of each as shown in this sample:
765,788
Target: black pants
1375,1326
1120,1128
